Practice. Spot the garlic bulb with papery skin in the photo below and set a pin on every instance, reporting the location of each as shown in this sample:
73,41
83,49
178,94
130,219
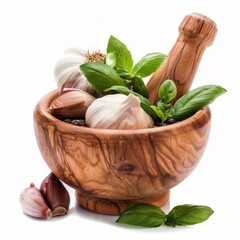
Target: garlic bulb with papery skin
117,111
68,74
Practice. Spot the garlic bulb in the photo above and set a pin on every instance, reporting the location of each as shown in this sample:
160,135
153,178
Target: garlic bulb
68,74
117,112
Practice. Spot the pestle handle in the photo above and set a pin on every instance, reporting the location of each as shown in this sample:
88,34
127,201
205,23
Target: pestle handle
196,33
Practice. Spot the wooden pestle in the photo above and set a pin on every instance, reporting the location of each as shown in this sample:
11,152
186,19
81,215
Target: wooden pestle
196,32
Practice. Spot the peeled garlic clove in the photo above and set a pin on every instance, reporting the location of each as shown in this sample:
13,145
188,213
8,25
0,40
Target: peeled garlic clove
72,103
118,112
33,203
68,74
55,195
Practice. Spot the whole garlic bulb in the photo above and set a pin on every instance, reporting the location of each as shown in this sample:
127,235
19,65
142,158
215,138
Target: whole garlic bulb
68,74
117,111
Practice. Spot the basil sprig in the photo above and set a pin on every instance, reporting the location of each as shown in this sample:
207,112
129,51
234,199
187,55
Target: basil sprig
119,59
166,93
148,215
188,104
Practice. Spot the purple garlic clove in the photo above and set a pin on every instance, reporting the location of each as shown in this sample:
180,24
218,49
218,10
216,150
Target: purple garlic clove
55,195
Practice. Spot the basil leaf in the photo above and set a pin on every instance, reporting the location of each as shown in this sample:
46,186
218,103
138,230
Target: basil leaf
167,91
125,75
110,59
159,113
100,75
123,55
183,215
148,64
145,104
122,73
196,99
142,214
139,86
126,91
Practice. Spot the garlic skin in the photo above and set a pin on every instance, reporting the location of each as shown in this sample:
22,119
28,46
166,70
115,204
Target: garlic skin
117,111
33,203
68,74
55,195
71,103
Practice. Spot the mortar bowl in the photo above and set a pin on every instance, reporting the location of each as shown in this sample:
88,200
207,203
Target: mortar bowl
113,169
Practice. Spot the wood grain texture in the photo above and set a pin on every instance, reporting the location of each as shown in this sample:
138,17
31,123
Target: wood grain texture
196,33
112,169
116,207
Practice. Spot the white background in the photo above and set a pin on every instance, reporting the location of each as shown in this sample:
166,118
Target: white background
33,36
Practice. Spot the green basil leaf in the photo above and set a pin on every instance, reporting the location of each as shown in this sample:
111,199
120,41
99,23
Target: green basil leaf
145,104
161,106
142,214
167,91
122,73
125,75
148,64
183,215
126,91
101,76
110,59
165,107
139,86
196,99
159,113
123,55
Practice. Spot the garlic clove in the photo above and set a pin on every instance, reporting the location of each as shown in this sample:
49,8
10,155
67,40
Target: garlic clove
55,195
118,112
72,103
33,203
76,80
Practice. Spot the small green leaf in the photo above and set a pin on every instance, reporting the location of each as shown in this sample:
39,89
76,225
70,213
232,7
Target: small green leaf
110,59
101,76
183,215
196,99
139,86
125,75
162,106
159,113
148,64
122,73
145,104
127,91
167,91
123,55
142,214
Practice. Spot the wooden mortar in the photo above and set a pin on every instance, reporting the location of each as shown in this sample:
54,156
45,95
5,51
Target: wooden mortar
196,33
113,169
